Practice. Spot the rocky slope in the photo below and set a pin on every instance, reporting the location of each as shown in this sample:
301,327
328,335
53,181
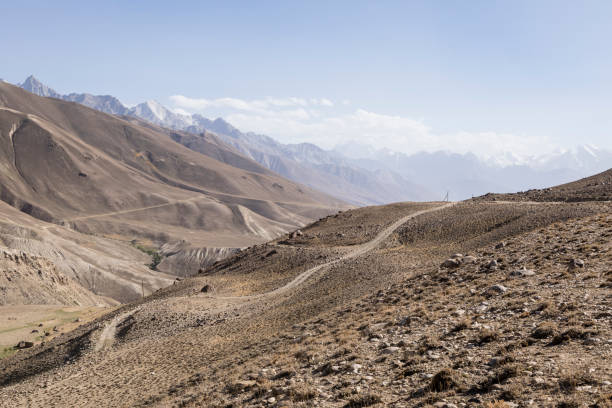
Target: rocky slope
520,317
32,280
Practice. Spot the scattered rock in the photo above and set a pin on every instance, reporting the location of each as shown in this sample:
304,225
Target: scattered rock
270,253
500,245
451,263
577,263
523,272
468,259
24,345
493,264
205,289
295,234
498,288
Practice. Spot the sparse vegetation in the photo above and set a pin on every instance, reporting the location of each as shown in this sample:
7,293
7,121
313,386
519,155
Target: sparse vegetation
382,328
156,256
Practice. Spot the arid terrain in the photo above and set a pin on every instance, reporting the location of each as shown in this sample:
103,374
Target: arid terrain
483,303
120,208
306,204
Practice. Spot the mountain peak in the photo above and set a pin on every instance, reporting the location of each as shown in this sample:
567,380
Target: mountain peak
151,110
31,84
31,81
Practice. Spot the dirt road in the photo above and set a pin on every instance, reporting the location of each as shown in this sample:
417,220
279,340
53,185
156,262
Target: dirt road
358,251
108,333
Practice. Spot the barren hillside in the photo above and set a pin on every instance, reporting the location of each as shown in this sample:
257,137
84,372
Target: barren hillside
430,304
77,170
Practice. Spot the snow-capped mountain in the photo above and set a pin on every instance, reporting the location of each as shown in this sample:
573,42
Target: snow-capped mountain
362,174
104,103
305,163
465,175
586,158
155,112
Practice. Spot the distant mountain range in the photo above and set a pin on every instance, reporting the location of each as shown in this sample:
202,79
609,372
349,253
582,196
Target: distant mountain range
360,174
466,175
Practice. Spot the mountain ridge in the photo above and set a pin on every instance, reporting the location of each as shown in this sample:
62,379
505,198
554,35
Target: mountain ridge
61,167
364,175
329,174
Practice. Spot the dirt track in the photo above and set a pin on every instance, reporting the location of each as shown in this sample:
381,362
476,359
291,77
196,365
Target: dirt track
106,338
360,250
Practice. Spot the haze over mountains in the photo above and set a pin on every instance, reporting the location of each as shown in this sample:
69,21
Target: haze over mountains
364,174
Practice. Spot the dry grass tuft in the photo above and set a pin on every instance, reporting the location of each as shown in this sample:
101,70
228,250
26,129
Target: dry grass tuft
498,404
363,401
574,378
544,330
302,392
487,336
444,380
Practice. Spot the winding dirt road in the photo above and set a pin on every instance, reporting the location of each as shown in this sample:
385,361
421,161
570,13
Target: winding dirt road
107,336
358,251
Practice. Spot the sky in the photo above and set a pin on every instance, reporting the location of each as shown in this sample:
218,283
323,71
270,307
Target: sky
525,77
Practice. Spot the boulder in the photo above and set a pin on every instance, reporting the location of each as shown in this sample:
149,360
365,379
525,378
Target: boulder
468,259
451,263
577,263
24,345
523,272
498,289
493,264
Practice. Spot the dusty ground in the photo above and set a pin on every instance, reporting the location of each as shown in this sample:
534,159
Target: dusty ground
389,327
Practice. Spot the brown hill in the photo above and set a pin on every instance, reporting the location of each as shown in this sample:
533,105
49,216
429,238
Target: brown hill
95,173
333,318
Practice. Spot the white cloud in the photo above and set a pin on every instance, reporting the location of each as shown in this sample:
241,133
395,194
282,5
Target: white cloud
320,121
255,105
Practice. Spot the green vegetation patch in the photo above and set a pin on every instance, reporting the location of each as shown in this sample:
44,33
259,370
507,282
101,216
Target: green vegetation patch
156,256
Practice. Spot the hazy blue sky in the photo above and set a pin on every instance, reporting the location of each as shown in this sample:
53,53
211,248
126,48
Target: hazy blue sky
479,75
